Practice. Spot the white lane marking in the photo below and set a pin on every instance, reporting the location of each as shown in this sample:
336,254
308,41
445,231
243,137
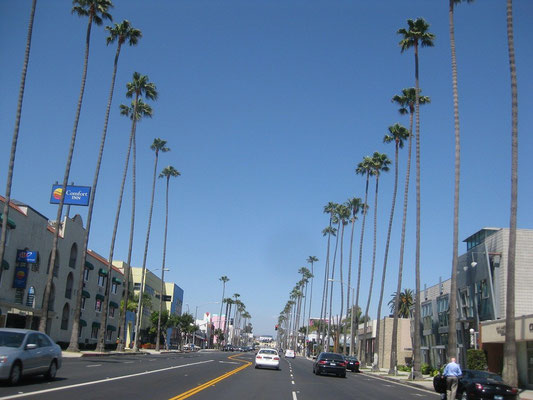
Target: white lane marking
94,365
292,382
16,396
294,396
228,362
129,362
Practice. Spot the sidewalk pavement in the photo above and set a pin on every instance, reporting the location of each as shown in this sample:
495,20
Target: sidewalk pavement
71,354
425,383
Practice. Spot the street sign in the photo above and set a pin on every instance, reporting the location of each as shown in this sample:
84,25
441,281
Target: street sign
74,195
27,256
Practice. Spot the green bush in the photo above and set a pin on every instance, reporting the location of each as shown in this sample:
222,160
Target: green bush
426,369
476,359
404,368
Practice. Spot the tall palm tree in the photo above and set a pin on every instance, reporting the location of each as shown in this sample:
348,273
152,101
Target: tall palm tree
11,166
343,213
229,302
224,279
167,173
381,164
401,303
406,101
416,35
96,11
452,339
397,135
355,205
337,221
510,371
311,260
366,169
121,33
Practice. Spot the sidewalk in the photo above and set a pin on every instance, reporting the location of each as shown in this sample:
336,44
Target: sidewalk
425,383
70,354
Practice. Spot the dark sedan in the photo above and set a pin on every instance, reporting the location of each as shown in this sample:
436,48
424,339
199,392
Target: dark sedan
475,385
330,363
352,364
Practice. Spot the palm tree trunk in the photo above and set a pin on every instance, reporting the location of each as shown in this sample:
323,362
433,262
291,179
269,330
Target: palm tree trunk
394,338
510,372
373,261
221,304
11,167
322,327
359,348
46,298
310,301
342,288
416,373
73,345
331,287
452,339
157,347
385,257
352,336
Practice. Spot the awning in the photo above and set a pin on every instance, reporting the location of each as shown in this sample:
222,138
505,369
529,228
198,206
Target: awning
10,223
99,297
5,264
111,328
117,281
88,265
83,323
113,304
96,325
102,271
86,294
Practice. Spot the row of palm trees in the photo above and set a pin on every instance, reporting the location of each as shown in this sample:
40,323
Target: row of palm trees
240,314
415,36
139,89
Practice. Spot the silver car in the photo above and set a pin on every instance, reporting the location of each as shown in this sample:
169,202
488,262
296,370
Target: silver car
27,352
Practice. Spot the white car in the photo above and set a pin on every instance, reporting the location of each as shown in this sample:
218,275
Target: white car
289,353
267,358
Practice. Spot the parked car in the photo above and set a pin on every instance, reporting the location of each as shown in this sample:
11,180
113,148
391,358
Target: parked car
26,352
330,363
267,358
352,364
475,385
289,353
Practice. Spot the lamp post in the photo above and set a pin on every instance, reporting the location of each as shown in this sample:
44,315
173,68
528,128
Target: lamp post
351,316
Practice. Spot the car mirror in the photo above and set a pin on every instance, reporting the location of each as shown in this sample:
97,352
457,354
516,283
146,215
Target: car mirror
31,346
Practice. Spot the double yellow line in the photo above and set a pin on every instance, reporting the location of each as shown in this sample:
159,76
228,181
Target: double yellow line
203,386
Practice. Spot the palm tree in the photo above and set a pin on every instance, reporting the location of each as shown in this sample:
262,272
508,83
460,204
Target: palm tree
121,33
366,169
380,164
311,260
452,339
229,302
224,279
168,172
414,36
406,101
355,205
401,303
11,167
343,213
96,10
397,134
336,220
510,371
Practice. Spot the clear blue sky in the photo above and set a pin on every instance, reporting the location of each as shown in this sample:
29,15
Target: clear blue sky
268,106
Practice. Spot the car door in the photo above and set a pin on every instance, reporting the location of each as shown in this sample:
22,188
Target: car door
30,362
46,352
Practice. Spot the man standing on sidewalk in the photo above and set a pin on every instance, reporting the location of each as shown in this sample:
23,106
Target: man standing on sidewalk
452,371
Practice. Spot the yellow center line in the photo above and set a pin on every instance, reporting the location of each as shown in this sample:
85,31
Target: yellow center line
203,386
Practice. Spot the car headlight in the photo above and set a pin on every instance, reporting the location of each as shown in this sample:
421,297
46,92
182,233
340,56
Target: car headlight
3,359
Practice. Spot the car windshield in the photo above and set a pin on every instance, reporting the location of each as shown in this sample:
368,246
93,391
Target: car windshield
268,352
486,376
11,339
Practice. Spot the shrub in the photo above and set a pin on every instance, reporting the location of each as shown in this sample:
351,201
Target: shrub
426,369
476,359
404,368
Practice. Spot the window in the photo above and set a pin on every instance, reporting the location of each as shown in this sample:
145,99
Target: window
30,297
73,256
466,303
150,290
98,305
68,287
35,266
43,340
114,288
19,296
442,310
101,280
94,332
82,303
86,275
484,289
64,317
136,286
427,313
108,334
111,312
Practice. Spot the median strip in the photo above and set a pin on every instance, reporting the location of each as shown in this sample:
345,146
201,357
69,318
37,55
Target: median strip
205,385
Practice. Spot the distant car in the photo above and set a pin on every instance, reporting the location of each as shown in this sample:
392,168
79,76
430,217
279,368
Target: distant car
352,364
26,352
330,363
289,353
267,358
475,385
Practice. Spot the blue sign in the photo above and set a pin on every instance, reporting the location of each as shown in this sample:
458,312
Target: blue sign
27,256
20,278
75,195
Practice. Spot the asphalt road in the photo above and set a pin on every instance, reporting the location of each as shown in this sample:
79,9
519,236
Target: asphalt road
202,376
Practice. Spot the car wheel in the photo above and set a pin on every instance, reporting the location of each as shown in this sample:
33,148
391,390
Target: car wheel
52,371
256,367
15,374
464,396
